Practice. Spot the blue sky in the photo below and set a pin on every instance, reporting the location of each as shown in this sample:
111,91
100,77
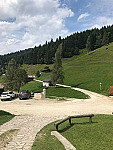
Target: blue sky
26,23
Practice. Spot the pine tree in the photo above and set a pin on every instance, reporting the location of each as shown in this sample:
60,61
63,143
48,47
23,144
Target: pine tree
9,76
98,41
38,74
14,77
88,44
20,78
57,71
105,39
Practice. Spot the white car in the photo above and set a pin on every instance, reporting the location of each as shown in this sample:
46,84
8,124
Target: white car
7,95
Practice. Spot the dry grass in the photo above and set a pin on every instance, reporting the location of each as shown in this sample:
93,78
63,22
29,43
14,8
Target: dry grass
7,137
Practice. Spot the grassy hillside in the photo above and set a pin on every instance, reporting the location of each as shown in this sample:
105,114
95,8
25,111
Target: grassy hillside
87,70
32,69
90,69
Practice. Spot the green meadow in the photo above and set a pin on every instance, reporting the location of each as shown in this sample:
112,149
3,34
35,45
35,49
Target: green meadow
89,70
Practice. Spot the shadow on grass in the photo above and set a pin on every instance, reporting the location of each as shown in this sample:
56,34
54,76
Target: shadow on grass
76,85
2,113
74,124
66,128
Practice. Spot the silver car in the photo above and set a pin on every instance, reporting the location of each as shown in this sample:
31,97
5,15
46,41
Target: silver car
7,95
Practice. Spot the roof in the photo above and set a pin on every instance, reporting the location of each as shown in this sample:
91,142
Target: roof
44,70
1,86
47,80
31,76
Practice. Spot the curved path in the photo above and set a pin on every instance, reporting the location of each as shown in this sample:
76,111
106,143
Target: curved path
35,114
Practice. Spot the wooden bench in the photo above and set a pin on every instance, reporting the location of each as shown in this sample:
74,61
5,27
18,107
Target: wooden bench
71,117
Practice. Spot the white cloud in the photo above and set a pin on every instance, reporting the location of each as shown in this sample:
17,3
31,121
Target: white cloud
10,41
7,8
3,33
101,21
105,20
82,16
99,12
35,22
96,26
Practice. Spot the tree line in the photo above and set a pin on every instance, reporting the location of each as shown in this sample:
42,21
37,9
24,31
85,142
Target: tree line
71,45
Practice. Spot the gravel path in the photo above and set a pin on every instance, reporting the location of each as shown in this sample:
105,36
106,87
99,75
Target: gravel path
28,127
35,114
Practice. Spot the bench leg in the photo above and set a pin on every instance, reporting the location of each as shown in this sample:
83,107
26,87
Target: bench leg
70,121
90,119
56,127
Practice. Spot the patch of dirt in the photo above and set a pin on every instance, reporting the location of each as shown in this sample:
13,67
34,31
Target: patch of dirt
6,137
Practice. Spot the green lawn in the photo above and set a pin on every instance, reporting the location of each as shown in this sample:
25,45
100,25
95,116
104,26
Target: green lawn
53,92
83,135
5,117
64,92
86,136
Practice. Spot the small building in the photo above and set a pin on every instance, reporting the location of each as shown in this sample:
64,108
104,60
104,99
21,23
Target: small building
30,78
46,82
1,89
46,70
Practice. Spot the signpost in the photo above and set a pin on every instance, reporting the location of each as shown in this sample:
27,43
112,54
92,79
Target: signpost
100,86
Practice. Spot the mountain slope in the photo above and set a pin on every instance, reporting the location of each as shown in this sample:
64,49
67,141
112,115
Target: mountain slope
88,71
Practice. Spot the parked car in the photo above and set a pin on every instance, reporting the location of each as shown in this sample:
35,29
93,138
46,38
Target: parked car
7,95
24,94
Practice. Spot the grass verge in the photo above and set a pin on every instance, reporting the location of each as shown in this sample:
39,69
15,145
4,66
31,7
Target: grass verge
5,117
64,93
44,140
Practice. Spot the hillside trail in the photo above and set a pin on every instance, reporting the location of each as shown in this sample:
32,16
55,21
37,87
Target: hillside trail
32,115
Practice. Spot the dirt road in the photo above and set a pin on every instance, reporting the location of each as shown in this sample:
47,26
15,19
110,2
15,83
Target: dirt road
97,104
